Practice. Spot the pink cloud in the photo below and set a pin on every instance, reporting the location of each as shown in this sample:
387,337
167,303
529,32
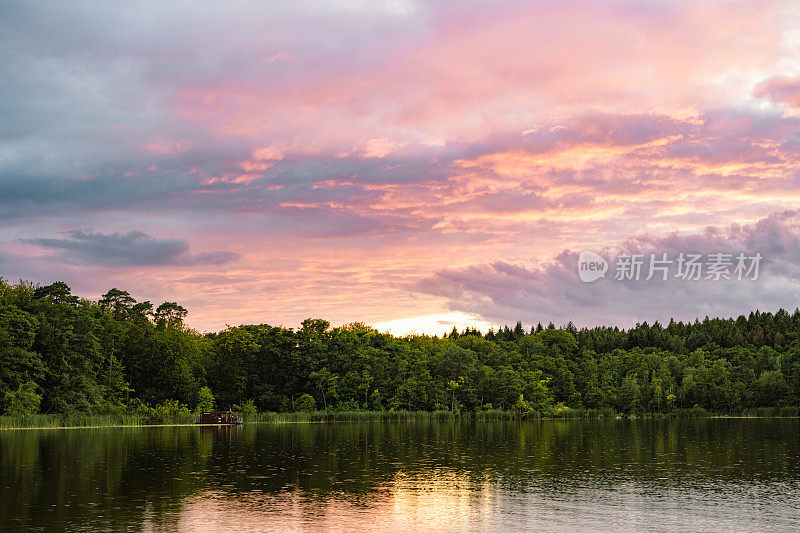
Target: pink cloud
781,90
165,147
360,150
280,56
519,65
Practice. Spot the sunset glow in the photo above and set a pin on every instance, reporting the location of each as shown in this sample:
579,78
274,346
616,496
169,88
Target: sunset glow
413,165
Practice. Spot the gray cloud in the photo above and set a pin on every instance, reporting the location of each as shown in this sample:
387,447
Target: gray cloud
548,290
23,196
127,249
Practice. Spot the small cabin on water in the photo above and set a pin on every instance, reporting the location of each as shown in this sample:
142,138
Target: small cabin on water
219,417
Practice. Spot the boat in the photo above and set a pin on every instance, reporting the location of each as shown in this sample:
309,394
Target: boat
219,417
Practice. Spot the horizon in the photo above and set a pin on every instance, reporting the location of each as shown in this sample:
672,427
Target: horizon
410,165
442,325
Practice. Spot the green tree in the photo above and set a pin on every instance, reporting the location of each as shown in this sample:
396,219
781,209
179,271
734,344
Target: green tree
117,301
326,383
628,396
522,406
376,400
170,314
658,395
19,360
246,409
58,292
453,386
306,403
770,389
23,401
205,400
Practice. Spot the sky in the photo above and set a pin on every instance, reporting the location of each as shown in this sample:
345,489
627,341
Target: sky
412,165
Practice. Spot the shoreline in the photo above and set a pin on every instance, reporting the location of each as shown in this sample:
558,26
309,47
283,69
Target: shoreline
334,420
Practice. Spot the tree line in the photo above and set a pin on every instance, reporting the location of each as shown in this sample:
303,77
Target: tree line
64,354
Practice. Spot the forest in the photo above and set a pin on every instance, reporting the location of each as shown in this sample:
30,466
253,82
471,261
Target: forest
64,354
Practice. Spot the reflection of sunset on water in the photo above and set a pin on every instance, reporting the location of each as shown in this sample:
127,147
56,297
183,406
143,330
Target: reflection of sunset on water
515,476
434,501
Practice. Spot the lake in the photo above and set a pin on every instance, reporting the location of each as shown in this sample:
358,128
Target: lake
612,475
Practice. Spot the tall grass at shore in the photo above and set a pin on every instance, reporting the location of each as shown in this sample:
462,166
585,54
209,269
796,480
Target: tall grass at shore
365,416
785,412
351,416
72,420
91,420
133,419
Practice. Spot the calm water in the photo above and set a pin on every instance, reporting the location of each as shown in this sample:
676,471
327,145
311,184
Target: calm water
618,475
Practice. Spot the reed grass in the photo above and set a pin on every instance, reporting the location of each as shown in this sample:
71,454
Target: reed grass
77,420
770,412
74,420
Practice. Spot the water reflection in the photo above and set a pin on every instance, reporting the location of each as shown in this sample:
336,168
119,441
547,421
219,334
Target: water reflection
556,475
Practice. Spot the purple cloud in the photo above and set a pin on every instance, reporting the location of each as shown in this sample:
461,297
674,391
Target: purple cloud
550,289
133,248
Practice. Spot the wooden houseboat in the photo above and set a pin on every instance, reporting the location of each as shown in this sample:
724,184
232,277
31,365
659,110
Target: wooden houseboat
219,417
